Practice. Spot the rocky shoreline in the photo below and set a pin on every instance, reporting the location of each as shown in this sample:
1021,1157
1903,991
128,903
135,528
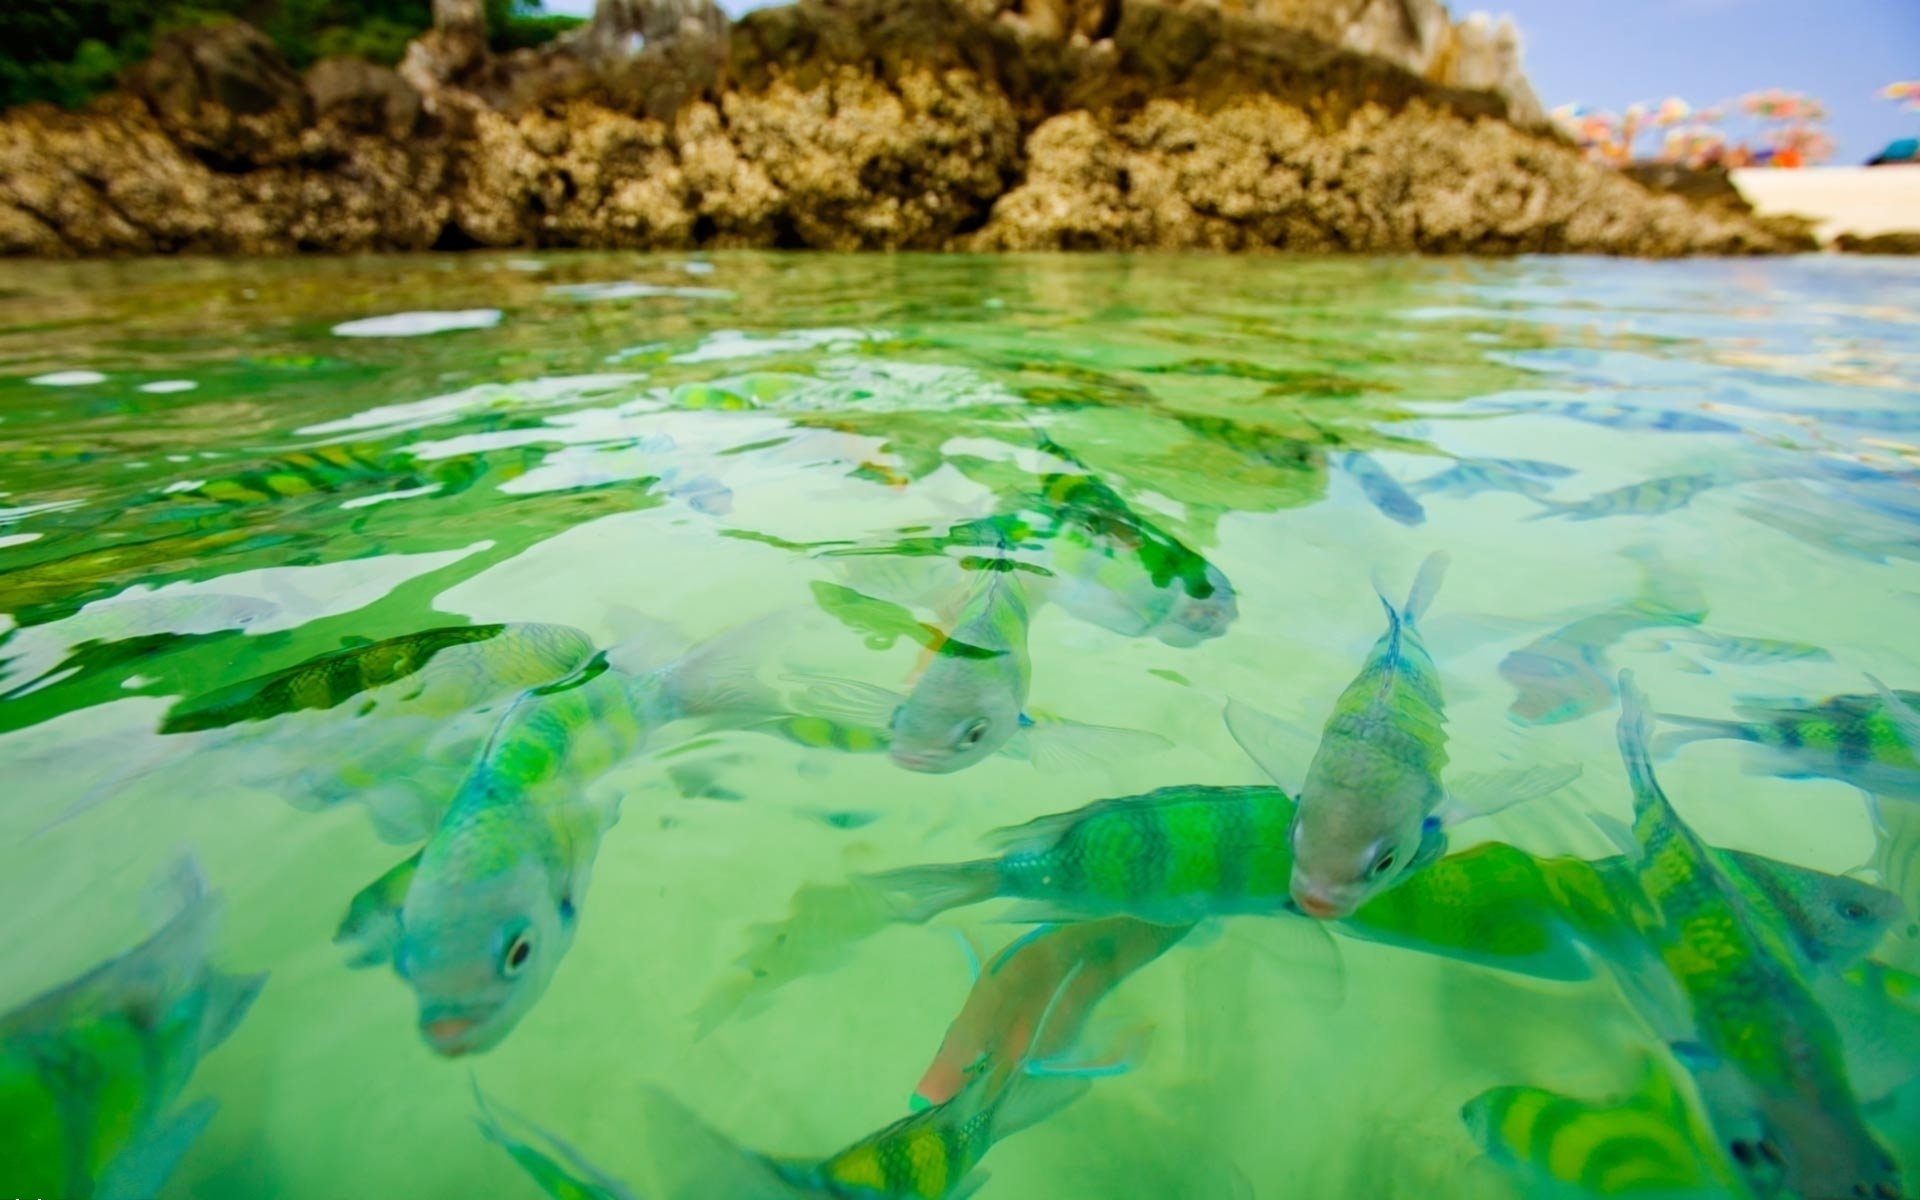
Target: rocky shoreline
834,124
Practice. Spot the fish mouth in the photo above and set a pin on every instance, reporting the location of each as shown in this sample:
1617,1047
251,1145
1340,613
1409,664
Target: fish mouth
1319,905
455,1034
927,762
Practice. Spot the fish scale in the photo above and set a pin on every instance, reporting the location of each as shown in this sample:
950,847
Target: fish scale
1743,982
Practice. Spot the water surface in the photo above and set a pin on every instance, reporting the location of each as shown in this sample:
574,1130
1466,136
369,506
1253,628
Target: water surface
211,472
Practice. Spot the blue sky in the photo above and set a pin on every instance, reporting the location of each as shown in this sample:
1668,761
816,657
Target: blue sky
1610,53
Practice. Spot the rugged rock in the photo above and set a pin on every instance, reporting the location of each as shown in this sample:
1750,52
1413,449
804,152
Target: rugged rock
848,124
1903,242
362,97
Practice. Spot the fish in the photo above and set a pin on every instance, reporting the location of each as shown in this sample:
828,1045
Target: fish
1171,856
489,907
1832,921
1180,855
1154,584
1383,490
1826,522
1374,780
1071,967
1896,861
969,701
319,470
1650,1142
1649,498
1498,906
1870,740
431,673
1763,1040
1472,476
1565,675
932,1154
90,1072
1652,420
963,707
1754,651
1876,1007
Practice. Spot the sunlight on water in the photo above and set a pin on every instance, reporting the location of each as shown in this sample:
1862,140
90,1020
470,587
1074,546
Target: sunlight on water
469,710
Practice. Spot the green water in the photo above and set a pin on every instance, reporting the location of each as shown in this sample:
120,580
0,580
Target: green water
653,451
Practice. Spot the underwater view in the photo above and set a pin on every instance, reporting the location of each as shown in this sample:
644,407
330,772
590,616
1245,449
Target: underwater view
758,725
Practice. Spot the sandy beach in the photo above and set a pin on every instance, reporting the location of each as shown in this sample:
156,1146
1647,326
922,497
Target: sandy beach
1860,200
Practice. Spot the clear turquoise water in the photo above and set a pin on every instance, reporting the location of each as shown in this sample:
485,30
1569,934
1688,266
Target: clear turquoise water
655,451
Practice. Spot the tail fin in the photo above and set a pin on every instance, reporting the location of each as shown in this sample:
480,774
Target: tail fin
918,894
691,1160
1426,583
1696,729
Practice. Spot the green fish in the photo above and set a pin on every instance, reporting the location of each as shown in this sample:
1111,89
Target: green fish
1870,740
489,907
439,672
1472,476
1649,1143
1373,807
1768,1056
1183,854
1133,577
1896,859
90,1071
1172,856
1498,906
1649,498
1756,652
1375,780
969,701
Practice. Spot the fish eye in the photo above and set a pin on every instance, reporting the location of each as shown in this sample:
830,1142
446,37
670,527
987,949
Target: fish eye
1853,910
1382,863
973,734
519,950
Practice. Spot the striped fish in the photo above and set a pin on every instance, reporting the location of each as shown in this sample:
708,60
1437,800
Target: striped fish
489,907
1896,858
1651,420
90,1072
439,672
1780,1101
1172,856
1383,490
1648,498
1375,779
1649,1143
1865,739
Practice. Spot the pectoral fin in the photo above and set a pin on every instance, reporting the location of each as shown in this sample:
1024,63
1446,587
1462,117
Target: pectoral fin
1056,746
1617,832
851,701
372,924
1483,793
1277,748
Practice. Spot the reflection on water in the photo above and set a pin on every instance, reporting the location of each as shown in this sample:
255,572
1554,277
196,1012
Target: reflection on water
831,726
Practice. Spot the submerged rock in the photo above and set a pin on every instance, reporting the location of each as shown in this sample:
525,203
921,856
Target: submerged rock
853,124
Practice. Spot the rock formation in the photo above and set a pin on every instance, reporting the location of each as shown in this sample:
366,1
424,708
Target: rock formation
851,124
